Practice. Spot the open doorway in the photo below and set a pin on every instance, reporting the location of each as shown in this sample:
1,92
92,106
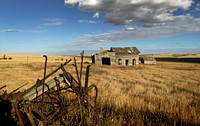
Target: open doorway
127,62
93,59
105,61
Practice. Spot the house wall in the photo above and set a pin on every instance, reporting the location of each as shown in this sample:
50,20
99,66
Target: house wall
126,60
150,62
111,55
132,60
97,59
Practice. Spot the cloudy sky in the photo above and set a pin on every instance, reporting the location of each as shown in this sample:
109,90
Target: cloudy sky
69,26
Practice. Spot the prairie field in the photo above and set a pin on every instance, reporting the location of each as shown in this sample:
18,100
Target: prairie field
167,93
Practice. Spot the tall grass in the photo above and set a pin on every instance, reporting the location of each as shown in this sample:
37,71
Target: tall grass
161,94
166,93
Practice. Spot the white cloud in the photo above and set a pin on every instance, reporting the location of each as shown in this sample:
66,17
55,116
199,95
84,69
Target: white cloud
156,18
9,30
87,21
53,22
129,29
119,12
161,30
96,15
71,2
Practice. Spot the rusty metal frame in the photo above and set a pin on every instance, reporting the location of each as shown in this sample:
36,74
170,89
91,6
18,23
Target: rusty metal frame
31,102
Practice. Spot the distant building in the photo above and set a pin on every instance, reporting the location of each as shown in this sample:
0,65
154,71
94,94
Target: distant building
148,60
117,56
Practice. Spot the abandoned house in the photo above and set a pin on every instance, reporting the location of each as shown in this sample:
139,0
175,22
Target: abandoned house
117,56
148,60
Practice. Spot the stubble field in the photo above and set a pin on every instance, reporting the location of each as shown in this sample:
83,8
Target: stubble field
163,94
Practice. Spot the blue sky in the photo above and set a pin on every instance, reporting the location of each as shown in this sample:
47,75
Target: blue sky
69,26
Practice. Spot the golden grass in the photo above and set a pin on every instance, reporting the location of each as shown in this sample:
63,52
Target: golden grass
27,58
170,88
173,55
162,94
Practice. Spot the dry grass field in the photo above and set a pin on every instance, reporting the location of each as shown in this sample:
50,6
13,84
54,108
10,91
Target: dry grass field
173,55
167,93
163,93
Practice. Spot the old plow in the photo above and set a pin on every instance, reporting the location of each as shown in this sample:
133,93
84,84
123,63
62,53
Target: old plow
57,98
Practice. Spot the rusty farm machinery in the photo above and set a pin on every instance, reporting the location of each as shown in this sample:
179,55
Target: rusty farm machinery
51,100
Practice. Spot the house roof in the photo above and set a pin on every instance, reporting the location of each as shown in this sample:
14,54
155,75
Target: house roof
125,50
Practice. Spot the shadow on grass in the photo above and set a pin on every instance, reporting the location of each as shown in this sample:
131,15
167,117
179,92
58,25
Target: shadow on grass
5,113
106,115
126,116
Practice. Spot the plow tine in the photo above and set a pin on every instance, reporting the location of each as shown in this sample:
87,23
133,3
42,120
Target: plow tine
43,82
18,88
87,76
47,76
2,87
76,68
81,69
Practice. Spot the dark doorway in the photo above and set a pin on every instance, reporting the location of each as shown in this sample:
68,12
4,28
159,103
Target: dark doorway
126,62
105,61
93,59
